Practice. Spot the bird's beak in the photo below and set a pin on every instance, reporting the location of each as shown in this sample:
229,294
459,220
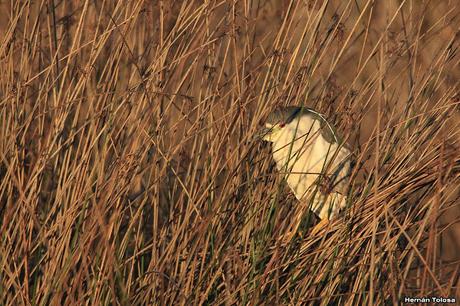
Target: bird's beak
262,133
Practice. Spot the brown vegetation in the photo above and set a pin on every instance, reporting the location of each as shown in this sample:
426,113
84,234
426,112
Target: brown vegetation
130,175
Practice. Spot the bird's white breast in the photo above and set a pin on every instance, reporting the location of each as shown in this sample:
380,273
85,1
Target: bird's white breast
303,160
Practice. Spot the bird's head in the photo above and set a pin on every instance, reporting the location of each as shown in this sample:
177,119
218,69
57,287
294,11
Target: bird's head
277,121
271,132
286,123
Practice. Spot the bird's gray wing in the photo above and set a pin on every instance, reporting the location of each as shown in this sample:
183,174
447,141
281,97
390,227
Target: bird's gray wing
328,132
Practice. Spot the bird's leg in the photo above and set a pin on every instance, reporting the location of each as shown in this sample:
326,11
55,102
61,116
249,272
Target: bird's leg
323,223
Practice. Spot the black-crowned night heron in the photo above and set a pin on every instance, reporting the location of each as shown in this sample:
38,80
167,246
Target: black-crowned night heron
313,158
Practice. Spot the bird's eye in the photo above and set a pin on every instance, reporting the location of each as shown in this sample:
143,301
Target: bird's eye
282,124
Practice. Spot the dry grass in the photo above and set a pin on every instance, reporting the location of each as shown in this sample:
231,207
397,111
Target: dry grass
129,174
